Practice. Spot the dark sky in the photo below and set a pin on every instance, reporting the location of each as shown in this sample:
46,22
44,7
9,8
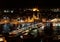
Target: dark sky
28,3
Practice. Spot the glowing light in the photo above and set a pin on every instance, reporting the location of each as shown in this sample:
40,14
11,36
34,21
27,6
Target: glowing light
30,20
44,20
54,20
12,11
14,21
35,9
35,17
1,39
21,21
5,21
5,11
21,37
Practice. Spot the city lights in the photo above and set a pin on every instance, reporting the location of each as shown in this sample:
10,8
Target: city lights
29,21
6,11
25,22
55,10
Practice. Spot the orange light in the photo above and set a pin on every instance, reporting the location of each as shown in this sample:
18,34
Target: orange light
14,21
35,17
5,21
30,20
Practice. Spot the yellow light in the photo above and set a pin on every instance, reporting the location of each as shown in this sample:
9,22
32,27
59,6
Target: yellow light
30,20
5,21
14,22
35,17
35,9
1,39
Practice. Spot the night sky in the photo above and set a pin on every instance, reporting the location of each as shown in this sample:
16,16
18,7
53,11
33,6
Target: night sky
28,3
